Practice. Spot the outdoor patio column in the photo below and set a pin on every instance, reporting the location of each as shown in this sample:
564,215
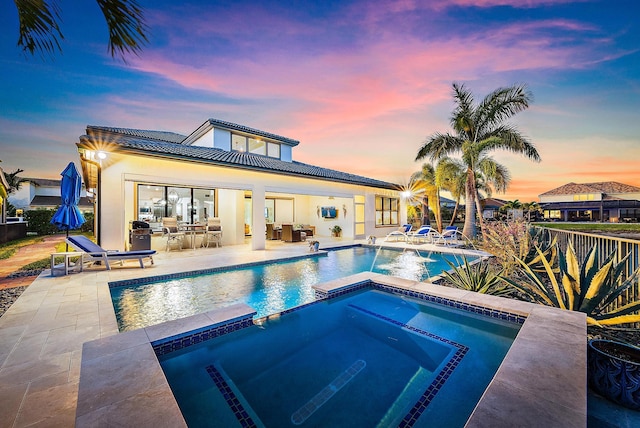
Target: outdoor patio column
258,240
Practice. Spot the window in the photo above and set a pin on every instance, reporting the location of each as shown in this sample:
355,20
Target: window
387,211
273,150
257,147
240,143
552,214
584,197
191,205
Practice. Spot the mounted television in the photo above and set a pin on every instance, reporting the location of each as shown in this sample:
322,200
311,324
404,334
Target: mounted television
329,212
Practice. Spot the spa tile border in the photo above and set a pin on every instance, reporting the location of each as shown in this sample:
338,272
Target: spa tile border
175,343
481,310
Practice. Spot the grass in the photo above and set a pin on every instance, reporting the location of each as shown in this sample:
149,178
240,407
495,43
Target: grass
9,249
593,227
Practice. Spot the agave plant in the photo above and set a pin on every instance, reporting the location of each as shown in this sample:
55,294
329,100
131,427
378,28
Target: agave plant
479,278
584,287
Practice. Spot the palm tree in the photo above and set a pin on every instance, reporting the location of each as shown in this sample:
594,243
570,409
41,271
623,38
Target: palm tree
530,207
451,176
14,181
424,182
40,33
510,206
478,130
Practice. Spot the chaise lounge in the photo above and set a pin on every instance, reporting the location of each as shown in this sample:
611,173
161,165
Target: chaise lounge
93,253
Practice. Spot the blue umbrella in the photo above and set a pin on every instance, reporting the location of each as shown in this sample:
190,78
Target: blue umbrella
68,215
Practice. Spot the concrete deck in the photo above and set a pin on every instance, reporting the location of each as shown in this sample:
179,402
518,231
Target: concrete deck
42,335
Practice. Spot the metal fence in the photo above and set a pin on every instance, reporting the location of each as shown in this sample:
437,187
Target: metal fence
583,242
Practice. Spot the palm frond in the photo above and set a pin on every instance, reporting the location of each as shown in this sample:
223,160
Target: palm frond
462,117
502,104
39,30
127,29
507,137
438,146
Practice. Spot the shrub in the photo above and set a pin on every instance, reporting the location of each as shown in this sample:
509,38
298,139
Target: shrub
88,222
584,287
478,277
517,240
40,222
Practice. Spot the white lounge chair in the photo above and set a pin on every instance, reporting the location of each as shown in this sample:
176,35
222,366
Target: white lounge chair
425,233
91,252
450,236
401,233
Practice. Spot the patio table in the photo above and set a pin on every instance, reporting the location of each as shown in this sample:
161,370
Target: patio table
193,230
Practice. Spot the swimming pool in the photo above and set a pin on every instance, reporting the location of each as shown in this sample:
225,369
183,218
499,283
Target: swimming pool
268,287
368,358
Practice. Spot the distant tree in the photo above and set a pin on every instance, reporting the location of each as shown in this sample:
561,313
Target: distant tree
478,130
532,209
14,182
40,32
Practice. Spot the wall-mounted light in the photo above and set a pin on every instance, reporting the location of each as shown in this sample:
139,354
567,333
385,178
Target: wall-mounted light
102,155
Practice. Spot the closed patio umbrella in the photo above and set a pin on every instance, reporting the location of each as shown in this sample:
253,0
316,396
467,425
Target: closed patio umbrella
68,215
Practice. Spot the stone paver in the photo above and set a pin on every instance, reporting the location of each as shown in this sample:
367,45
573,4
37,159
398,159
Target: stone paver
42,333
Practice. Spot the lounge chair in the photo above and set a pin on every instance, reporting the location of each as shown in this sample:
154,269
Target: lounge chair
172,232
93,253
425,233
449,236
400,233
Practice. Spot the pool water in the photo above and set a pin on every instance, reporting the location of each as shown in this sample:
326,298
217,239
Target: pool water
268,288
367,359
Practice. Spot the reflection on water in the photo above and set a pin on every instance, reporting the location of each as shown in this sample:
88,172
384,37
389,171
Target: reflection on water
268,288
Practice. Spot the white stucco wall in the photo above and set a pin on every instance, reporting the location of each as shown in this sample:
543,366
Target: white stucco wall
120,173
22,197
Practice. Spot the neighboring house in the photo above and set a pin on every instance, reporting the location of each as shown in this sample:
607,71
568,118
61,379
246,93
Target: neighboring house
43,193
244,176
491,207
604,201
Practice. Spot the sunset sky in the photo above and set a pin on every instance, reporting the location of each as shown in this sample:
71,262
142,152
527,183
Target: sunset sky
360,84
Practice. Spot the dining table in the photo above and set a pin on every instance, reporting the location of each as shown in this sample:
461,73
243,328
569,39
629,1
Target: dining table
193,229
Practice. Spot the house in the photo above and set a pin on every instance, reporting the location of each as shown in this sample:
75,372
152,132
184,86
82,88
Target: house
603,201
43,193
246,177
491,207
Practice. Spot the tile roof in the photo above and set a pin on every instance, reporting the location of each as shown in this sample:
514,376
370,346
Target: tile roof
210,123
44,182
141,133
143,142
52,201
599,187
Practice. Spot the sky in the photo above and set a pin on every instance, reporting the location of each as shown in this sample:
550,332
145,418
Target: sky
361,84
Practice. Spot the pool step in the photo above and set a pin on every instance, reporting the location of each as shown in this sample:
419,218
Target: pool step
304,412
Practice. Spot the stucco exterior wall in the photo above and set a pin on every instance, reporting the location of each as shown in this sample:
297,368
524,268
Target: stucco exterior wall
119,174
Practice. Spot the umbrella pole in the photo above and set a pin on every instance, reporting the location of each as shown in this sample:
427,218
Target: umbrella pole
67,243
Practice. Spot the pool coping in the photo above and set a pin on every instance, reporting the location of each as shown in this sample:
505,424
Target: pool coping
541,381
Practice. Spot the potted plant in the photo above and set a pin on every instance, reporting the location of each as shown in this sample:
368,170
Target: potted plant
614,371
314,246
336,231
